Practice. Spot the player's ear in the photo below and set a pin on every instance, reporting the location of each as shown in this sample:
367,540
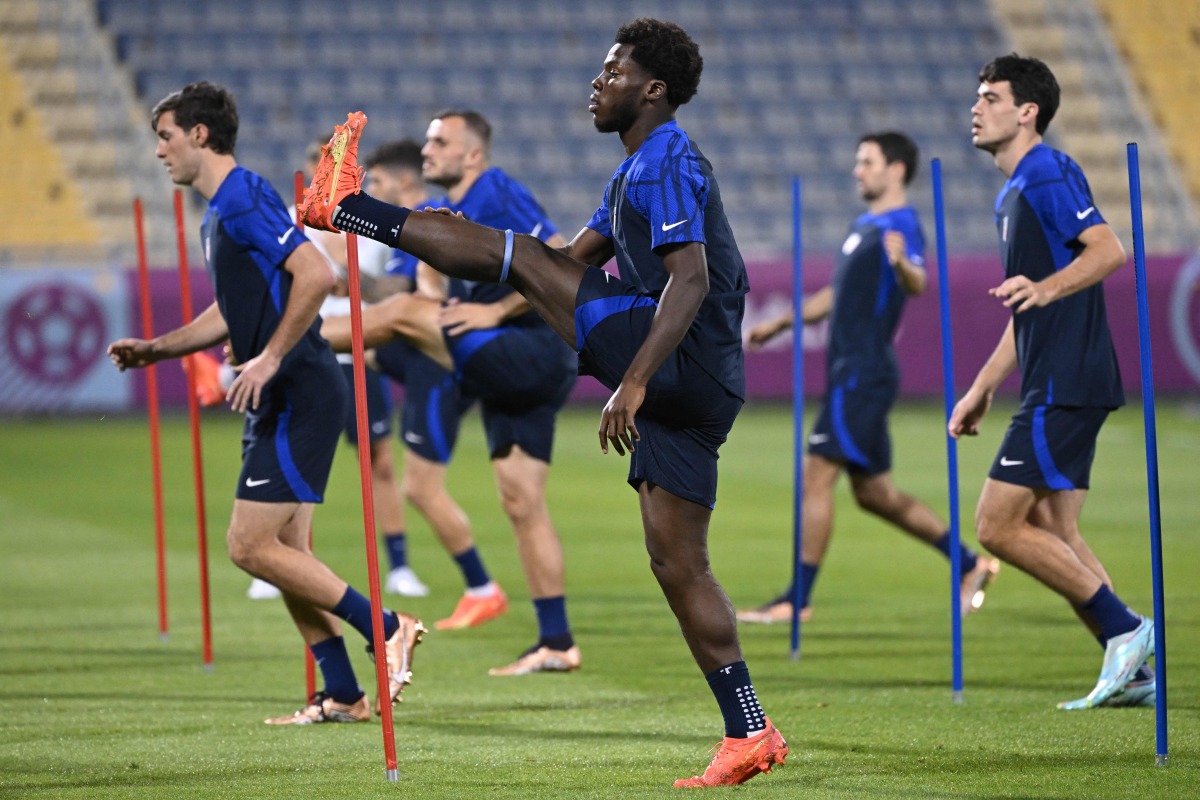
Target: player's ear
1028,113
199,134
656,90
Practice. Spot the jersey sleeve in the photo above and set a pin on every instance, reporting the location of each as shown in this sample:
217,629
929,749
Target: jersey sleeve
600,222
1066,205
527,214
671,192
263,225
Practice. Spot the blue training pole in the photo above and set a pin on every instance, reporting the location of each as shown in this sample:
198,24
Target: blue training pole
797,416
939,214
1143,309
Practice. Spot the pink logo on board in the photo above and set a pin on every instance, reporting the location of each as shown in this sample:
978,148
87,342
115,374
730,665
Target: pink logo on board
55,333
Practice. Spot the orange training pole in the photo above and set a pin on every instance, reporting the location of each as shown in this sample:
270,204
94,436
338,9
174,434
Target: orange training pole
364,466
185,290
152,407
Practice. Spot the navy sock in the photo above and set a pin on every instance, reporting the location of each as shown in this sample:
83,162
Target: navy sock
735,695
472,568
1111,615
967,559
808,578
553,630
364,215
334,661
397,547
356,611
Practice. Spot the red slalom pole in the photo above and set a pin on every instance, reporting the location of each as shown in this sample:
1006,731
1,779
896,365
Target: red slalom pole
152,406
185,290
364,466
310,666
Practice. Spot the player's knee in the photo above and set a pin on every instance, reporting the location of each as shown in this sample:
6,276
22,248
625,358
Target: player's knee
874,499
241,553
991,534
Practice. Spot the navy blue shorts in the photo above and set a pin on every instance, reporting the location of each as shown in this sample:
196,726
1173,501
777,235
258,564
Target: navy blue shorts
852,427
522,376
687,414
289,441
433,403
379,406
1049,447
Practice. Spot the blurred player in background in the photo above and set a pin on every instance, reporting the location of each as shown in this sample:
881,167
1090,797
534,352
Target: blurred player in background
502,353
882,262
1057,250
433,404
269,282
666,339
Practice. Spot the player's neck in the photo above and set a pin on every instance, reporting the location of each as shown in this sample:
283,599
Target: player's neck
213,172
458,191
891,199
1009,154
633,136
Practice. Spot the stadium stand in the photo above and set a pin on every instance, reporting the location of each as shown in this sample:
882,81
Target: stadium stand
1161,42
788,87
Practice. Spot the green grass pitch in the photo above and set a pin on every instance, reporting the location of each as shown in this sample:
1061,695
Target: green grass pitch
94,706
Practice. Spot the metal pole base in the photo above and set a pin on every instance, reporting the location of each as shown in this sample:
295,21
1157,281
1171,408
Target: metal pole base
795,655
1160,760
393,775
208,668
957,697
162,637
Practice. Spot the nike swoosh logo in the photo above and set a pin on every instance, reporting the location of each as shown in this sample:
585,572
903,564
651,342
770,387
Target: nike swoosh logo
415,438
286,234
667,227
1085,212
818,438
1004,462
252,483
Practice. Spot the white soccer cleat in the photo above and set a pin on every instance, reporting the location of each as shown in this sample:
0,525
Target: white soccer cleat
1123,656
261,590
403,581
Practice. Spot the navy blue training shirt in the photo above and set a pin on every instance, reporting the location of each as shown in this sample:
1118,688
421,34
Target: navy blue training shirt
247,235
1065,349
868,297
665,193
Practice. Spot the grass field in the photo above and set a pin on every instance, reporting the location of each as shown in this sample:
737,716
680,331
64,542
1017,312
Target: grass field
94,706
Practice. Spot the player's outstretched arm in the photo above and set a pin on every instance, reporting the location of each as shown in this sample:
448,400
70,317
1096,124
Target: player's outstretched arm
206,330
970,410
911,276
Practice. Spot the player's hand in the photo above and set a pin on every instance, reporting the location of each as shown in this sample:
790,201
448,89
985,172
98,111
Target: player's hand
968,413
131,354
1021,294
617,420
764,332
246,390
456,317
895,246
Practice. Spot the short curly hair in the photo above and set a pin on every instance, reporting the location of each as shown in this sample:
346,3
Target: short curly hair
667,52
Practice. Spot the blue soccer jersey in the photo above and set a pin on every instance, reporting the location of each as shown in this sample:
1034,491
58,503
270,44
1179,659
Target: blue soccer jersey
868,298
498,201
1065,349
665,193
247,236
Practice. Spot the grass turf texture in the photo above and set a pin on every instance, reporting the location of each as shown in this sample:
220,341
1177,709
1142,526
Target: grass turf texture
95,706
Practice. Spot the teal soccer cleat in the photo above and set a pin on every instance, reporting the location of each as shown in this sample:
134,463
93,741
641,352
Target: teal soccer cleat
1123,655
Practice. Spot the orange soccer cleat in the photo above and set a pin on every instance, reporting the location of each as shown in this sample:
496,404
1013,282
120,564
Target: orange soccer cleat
974,583
337,175
399,653
739,760
542,659
472,611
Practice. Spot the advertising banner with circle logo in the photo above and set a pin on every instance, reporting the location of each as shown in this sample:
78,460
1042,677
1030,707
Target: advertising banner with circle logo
55,326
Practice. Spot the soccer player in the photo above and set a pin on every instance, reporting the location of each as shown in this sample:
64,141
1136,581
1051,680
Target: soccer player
269,281
881,263
666,339
1057,250
504,354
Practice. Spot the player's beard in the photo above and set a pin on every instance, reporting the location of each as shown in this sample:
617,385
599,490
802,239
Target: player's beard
620,118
